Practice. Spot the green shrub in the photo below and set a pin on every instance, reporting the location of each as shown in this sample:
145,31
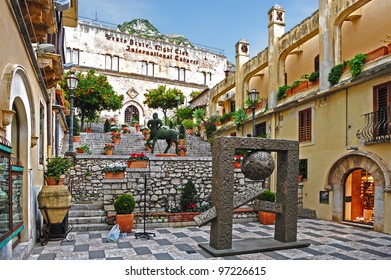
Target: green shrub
356,64
336,73
313,76
281,94
124,204
189,197
106,126
56,167
267,195
188,124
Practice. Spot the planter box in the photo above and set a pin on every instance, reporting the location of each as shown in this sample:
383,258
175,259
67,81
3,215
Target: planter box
266,218
379,52
300,87
237,164
138,164
115,175
182,217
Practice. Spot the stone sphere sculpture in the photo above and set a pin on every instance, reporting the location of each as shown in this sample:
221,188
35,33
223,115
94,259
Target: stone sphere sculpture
257,165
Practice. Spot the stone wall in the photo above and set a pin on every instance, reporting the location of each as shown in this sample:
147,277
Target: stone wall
165,179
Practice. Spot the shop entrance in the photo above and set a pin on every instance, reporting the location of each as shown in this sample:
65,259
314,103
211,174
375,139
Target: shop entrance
359,190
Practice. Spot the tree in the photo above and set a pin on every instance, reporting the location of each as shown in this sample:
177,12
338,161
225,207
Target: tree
93,95
239,118
162,98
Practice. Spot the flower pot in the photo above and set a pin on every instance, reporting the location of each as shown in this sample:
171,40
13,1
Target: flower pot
56,200
52,182
181,153
182,142
137,164
116,140
300,178
146,135
125,222
302,86
147,148
80,150
89,130
76,138
379,52
237,164
115,175
266,218
109,152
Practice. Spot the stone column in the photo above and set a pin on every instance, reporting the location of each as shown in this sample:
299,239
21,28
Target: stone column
276,69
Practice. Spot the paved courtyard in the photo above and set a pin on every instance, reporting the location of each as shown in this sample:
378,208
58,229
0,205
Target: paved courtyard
329,241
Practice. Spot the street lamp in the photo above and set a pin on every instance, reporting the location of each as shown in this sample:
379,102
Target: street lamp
253,96
72,82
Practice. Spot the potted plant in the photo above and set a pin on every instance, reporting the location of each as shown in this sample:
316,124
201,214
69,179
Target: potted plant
124,206
83,149
267,218
56,169
109,147
114,171
138,160
54,199
182,150
238,161
189,125
116,138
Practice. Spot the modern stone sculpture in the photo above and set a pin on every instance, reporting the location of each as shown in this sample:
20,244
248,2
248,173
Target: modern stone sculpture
223,153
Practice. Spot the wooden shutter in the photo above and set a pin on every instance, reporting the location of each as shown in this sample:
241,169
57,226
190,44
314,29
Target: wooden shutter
305,125
381,104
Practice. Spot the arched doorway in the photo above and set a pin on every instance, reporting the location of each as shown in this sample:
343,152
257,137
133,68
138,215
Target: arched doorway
374,169
359,194
131,115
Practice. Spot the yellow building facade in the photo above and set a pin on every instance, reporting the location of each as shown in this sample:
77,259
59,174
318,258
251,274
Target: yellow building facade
343,126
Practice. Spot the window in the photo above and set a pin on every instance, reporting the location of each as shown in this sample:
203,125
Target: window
207,77
305,125
260,130
303,168
148,68
316,63
381,102
115,63
233,106
108,62
72,55
181,74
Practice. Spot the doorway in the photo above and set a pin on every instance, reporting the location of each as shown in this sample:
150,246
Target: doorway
132,115
359,191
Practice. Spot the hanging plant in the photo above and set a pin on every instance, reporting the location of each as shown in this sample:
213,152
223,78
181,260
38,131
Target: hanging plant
356,64
336,73
281,94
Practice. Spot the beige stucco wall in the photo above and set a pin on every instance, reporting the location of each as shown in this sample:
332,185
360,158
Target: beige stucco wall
368,31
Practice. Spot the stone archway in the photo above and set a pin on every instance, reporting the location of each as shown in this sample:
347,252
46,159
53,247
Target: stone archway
343,167
128,112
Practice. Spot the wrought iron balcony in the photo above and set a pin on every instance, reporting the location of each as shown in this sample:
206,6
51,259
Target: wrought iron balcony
377,127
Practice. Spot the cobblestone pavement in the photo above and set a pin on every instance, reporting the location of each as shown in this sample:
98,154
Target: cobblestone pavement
329,241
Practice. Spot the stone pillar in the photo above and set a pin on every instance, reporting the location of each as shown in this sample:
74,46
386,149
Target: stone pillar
276,28
327,42
242,56
223,153
379,209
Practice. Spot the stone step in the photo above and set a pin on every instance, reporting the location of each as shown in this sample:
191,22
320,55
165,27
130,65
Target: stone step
86,206
91,227
86,213
87,220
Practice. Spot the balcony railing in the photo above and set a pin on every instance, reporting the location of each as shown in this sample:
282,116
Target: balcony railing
377,127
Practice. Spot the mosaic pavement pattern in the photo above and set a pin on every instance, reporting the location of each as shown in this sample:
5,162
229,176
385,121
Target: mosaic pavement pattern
329,241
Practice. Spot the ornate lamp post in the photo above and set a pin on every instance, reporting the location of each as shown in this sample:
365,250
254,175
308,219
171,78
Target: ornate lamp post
253,96
72,82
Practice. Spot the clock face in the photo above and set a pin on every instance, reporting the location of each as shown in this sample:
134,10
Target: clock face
244,48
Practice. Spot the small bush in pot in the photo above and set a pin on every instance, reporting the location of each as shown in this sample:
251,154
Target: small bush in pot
267,218
56,167
267,195
124,204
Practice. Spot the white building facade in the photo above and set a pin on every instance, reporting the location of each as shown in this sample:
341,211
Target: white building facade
135,64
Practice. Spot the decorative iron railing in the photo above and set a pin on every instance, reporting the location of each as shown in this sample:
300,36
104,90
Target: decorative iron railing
377,127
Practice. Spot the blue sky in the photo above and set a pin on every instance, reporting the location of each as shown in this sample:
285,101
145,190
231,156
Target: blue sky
215,23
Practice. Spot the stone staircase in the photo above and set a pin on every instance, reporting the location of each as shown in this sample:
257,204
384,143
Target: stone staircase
88,217
135,143
91,216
